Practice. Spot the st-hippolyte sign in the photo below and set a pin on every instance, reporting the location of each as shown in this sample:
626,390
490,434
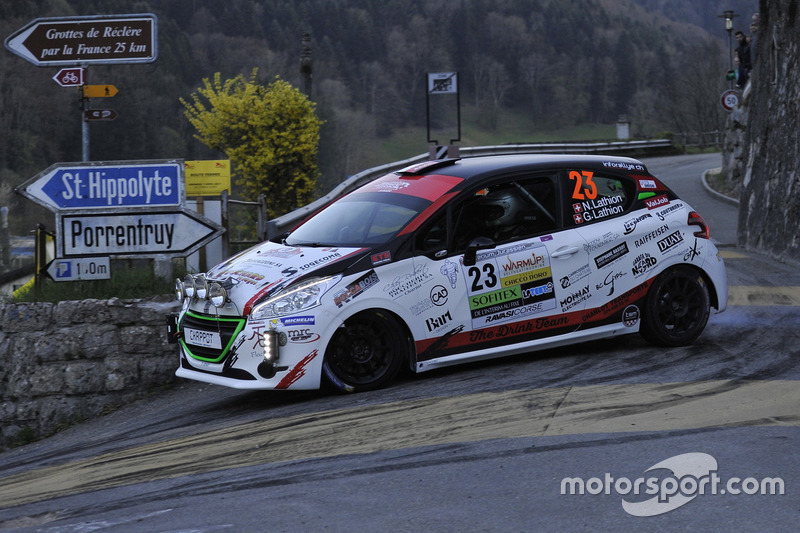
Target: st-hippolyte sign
84,40
122,208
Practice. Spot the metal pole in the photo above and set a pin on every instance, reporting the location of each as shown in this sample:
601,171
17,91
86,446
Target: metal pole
84,122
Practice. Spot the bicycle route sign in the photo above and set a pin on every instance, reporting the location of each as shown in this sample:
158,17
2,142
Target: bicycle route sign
83,40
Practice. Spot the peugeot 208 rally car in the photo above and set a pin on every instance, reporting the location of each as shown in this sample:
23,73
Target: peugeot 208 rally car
452,261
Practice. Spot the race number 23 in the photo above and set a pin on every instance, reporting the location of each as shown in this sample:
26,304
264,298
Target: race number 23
584,185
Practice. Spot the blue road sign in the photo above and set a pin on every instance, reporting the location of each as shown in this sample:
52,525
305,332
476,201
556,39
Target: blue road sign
107,185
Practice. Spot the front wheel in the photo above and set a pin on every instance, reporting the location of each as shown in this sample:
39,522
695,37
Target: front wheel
365,353
677,308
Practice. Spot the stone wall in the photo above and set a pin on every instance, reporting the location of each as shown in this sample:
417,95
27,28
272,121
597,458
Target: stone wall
64,362
769,212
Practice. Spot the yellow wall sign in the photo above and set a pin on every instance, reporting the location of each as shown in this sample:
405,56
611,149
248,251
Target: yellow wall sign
207,178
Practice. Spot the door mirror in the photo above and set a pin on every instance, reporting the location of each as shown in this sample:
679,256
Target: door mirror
478,243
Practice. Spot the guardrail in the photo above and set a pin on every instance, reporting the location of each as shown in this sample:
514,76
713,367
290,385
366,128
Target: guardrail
285,222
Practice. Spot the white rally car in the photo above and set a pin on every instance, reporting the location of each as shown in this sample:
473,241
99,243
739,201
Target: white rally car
453,261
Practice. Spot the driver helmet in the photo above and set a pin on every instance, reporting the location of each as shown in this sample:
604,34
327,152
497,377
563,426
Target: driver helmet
502,208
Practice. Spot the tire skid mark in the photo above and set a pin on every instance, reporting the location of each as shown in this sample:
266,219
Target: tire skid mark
424,422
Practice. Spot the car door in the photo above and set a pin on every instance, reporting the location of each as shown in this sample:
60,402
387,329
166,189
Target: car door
508,272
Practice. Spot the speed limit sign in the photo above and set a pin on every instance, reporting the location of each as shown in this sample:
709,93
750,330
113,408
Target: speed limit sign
730,99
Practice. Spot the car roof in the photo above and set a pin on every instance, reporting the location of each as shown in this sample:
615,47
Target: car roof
470,168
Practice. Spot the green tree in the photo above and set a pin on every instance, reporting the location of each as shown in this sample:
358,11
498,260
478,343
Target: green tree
270,134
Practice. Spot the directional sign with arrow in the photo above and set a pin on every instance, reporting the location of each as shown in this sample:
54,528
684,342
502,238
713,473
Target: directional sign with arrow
99,91
152,183
100,114
143,233
70,77
82,40
79,269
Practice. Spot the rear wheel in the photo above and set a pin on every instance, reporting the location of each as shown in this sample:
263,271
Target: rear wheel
365,353
676,308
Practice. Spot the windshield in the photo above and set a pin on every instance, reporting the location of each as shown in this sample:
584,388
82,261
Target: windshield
364,219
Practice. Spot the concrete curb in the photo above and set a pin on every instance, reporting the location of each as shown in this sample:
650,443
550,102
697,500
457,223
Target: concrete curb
715,194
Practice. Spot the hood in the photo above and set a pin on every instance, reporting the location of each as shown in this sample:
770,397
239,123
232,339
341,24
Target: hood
267,267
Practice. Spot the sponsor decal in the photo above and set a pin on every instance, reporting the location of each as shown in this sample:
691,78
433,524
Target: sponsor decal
245,276
630,225
642,264
545,238
526,277
692,252
301,335
407,283
610,281
533,261
612,255
297,321
623,165
647,237
574,276
518,328
647,184
499,252
599,242
669,242
438,295
659,201
391,186
355,288
381,258
450,270
662,215
438,322
487,299
283,251
537,293
630,316
577,297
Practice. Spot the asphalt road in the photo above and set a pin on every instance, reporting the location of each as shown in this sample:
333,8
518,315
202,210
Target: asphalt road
482,447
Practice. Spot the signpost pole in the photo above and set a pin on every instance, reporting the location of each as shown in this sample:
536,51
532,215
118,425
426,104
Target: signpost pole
84,122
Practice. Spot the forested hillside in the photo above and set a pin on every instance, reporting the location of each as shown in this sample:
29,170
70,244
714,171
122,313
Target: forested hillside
557,63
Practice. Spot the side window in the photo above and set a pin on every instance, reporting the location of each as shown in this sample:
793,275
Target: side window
595,197
505,212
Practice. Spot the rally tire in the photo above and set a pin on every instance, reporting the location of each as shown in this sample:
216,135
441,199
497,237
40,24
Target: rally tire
677,307
365,353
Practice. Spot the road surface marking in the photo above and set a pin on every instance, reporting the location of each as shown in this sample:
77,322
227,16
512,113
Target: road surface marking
753,295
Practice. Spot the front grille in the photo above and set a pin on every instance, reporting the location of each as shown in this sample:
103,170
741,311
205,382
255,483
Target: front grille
228,328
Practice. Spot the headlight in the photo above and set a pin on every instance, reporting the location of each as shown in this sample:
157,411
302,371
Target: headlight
217,294
200,287
188,286
180,294
297,298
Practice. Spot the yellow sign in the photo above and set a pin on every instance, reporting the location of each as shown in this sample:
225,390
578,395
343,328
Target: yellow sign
99,91
207,178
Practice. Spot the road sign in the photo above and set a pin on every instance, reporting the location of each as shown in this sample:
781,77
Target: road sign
100,114
143,233
442,83
99,91
91,39
70,77
79,269
729,99
150,183
207,178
